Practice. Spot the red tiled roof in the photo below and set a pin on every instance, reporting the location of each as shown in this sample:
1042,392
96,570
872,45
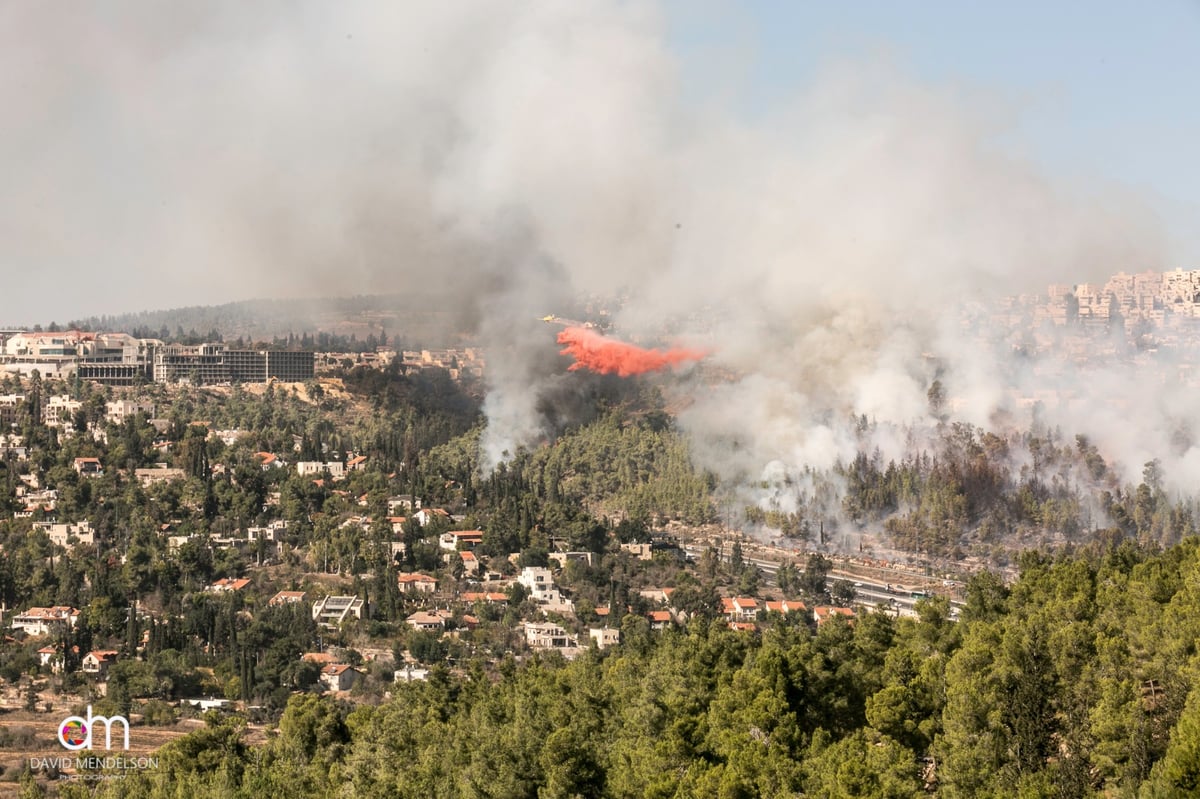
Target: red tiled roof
489,596
286,596
824,613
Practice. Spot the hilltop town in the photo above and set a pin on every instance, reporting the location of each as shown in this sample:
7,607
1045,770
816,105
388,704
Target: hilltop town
247,533
179,540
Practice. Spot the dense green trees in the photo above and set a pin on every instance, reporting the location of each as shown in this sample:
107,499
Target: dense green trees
1078,680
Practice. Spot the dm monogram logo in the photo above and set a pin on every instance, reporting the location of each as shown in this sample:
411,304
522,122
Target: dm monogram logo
75,732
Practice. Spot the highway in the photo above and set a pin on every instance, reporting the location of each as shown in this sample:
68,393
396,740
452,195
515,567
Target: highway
867,592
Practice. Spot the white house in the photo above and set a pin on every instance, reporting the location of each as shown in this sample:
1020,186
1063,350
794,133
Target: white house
336,469
402,502
540,584
331,611
547,635
460,539
117,411
421,583
98,661
430,622
605,636
411,674
43,621
67,535
339,676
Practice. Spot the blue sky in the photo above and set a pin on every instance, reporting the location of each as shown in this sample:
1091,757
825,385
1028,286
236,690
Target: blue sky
1102,91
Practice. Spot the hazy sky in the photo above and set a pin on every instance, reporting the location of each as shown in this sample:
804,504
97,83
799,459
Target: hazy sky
194,153
1098,90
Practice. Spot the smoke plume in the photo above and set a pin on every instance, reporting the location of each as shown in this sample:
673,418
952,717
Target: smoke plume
512,160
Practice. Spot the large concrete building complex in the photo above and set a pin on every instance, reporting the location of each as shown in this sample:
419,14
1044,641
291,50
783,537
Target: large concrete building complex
1154,299
213,363
121,359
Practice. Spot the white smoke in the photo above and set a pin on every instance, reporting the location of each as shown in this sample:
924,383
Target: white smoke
504,158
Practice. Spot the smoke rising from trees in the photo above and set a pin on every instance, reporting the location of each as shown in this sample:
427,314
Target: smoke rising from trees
505,159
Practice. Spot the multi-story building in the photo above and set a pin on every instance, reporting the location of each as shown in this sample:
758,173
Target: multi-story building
1180,288
330,611
8,409
116,358
117,411
213,363
67,534
336,469
60,410
547,635
43,621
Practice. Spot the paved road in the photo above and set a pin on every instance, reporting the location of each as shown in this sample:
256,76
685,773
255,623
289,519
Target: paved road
867,592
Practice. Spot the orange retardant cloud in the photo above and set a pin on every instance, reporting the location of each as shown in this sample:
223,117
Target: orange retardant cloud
607,356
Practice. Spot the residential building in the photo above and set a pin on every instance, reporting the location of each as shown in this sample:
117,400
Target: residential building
563,558
460,540
50,657
272,532
538,581
88,467
336,469
411,673
330,611
605,636
422,620
59,410
786,606
547,635
68,534
339,676
228,584
403,502
419,583
286,598
660,619
641,551
8,409
117,411
43,621
823,614
148,477
470,562
486,597
740,608
425,516
659,596
97,662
